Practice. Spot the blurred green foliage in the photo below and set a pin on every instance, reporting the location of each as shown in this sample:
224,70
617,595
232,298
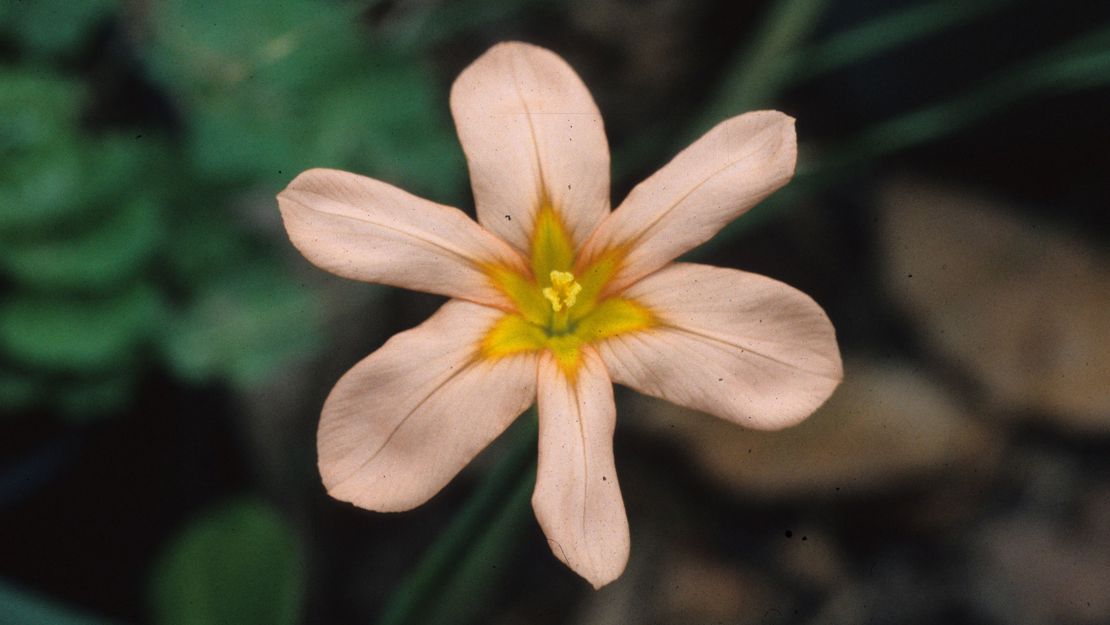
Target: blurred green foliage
239,563
302,86
50,27
457,574
138,242
79,236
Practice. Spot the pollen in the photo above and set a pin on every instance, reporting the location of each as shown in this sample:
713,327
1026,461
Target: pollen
563,291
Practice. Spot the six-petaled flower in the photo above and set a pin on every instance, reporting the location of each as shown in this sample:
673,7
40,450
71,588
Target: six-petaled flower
554,298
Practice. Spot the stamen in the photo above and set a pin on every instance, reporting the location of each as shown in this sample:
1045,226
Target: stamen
563,291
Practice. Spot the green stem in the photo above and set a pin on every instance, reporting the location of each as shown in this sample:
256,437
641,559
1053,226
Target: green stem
1080,64
1071,67
759,74
463,596
883,34
435,567
781,61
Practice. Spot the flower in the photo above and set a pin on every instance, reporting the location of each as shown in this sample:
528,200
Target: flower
554,298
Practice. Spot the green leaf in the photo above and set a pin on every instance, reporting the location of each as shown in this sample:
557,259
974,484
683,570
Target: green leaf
40,189
73,334
232,139
424,26
389,124
244,326
203,49
36,109
54,190
300,89
1082,63
17,391
478,576
92,397
77,398
759,74
54,178
115,251
118,167
203,243
383,121
237,565
54,26
252,93
885,32
480,536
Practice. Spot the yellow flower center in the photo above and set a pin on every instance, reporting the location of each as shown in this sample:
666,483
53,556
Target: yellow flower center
566,314
563,291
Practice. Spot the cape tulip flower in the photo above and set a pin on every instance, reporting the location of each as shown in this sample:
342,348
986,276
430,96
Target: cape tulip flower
554,298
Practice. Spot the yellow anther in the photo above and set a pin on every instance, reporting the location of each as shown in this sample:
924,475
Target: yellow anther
563,291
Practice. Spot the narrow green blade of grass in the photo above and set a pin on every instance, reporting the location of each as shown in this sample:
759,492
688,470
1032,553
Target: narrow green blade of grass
475,579
758,75
1083,63
885,33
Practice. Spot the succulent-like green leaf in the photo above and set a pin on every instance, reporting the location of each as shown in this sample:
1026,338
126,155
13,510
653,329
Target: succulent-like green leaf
53,26
116,250
36,109
242,326
78,334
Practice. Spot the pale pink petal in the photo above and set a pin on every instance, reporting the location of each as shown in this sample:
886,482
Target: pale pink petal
400,424
577,498
719,177
364,229
734,344
531,133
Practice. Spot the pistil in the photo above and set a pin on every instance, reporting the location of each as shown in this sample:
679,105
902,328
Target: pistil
563,293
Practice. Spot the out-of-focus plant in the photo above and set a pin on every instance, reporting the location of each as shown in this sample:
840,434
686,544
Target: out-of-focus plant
782,56
78,236
239,563
303,86
43,190
52,27
125,247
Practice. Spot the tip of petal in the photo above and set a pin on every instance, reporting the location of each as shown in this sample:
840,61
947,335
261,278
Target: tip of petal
781,137
603,578
359,493
513,46
497,59
599,570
